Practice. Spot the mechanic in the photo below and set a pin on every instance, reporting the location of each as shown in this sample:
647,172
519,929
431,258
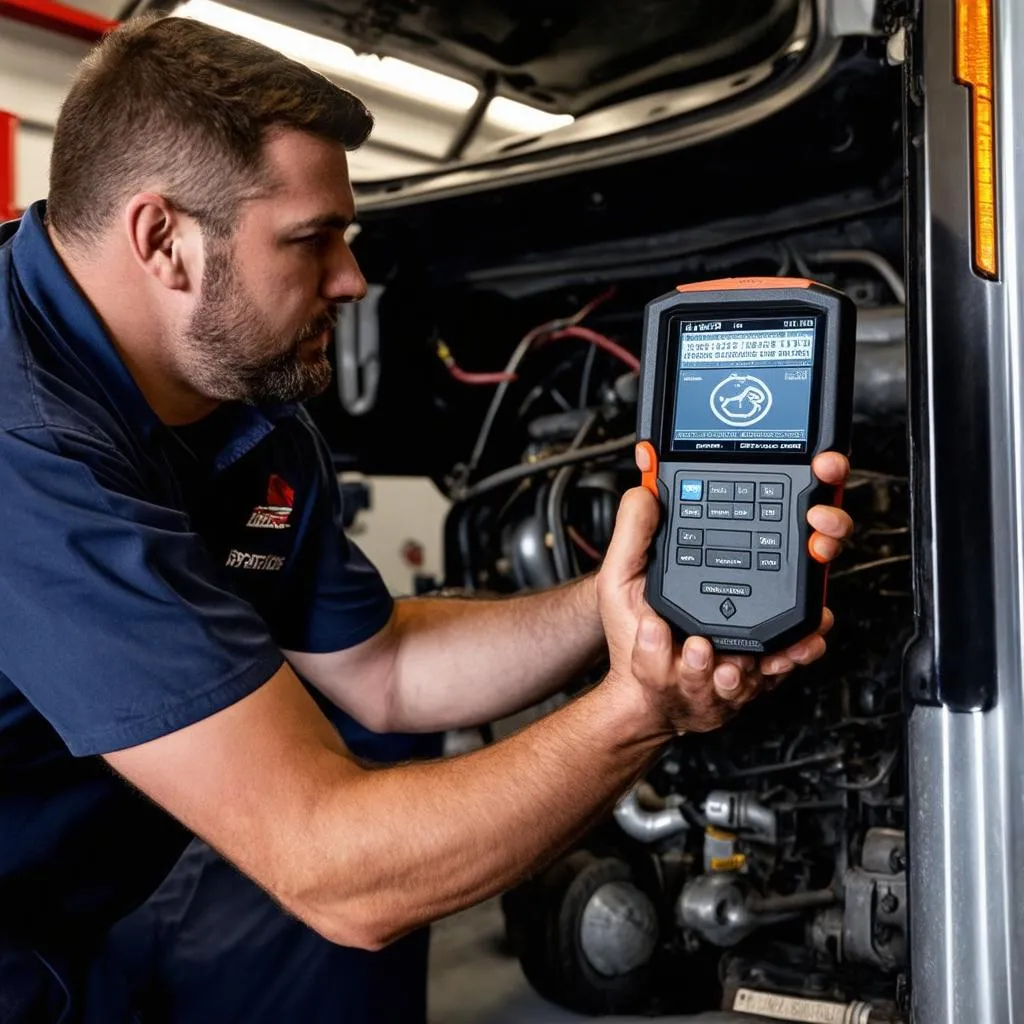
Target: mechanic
173,561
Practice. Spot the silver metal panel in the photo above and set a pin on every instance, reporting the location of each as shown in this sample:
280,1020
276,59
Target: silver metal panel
966,769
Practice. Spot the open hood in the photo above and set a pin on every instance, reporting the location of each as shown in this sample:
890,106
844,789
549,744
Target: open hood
570,57
629,79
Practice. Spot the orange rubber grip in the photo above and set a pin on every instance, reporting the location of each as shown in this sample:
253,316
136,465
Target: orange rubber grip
729,284
647,463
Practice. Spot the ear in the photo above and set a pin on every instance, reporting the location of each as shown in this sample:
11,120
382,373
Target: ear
160,239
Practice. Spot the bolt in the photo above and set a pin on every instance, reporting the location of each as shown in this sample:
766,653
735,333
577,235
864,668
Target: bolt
889,904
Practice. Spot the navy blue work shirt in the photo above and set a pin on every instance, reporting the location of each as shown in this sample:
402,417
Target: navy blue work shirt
149,577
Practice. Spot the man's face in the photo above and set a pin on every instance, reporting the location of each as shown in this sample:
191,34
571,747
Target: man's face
270,294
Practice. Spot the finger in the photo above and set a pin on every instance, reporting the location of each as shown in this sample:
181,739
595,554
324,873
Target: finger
831,468
809,649
830,521
828,620
745,662
781,664
653,655
728,680
736,693
774,682
635,523
823,548
776,664
695,664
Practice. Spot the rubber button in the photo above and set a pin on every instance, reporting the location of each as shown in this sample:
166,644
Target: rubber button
726,589
728,559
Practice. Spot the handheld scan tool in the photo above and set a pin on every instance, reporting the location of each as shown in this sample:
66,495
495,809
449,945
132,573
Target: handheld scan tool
743,381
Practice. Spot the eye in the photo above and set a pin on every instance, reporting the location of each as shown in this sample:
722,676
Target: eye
317,241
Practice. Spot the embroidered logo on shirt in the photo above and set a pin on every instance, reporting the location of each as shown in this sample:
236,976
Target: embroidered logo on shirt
246,560
275,514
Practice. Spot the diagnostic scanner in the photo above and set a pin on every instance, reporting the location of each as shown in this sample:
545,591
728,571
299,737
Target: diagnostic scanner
742,382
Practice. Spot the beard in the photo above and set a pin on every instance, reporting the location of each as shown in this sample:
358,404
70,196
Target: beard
232,354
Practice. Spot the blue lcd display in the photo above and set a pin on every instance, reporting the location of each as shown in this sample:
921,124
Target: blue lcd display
744,385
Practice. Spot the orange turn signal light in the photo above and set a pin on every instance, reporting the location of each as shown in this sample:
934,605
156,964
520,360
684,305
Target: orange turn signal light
974,69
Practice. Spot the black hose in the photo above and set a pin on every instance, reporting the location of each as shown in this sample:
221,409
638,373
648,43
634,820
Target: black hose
556,523
513,473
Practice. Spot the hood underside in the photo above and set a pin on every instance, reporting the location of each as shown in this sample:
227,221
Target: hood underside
570,57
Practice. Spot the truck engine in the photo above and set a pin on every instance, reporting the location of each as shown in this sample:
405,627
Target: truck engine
761,867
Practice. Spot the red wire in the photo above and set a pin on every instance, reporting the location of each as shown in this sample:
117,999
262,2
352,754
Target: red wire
594,303
466,377
586,334
585,546
569,330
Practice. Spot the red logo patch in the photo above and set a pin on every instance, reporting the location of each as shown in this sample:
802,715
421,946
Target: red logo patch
280,493
278,509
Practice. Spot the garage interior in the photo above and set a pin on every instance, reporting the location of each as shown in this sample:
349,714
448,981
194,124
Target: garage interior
528,188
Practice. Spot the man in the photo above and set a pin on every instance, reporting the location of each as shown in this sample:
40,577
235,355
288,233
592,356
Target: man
172,560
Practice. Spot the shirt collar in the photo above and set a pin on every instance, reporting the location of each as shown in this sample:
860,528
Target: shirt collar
74,323
71,318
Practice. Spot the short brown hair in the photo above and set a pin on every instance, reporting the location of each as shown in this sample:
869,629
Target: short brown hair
183,108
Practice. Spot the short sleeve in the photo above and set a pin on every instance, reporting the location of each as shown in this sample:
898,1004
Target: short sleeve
340,598
115,624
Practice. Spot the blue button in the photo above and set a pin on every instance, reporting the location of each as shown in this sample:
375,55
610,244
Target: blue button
691,490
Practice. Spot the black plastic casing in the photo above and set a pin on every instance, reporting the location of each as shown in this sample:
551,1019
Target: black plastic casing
782,606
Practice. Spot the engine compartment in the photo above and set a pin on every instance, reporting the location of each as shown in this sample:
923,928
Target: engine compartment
760,868
766,861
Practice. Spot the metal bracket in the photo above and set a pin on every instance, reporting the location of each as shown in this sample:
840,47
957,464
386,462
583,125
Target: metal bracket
357,353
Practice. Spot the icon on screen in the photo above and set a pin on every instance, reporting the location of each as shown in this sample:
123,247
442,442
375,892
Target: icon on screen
741,400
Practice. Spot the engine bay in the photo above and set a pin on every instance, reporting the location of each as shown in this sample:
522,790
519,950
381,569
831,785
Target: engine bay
768,857
765,861
759,869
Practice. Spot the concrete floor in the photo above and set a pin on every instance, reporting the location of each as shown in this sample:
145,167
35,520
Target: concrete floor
473,982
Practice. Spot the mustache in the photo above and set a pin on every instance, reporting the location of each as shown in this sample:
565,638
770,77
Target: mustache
324,322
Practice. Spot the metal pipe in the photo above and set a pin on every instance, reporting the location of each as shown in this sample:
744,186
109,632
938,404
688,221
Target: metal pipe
880,324
868,258
648,826
793,903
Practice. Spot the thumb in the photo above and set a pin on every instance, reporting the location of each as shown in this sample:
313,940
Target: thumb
635,524
653,653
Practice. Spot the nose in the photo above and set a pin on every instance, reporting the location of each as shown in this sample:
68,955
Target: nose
343,281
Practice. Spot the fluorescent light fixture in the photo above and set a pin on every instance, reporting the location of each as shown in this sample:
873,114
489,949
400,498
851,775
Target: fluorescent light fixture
519,117
329,56
398,76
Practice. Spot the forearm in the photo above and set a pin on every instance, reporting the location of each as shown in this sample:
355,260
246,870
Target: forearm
466,661
410,844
